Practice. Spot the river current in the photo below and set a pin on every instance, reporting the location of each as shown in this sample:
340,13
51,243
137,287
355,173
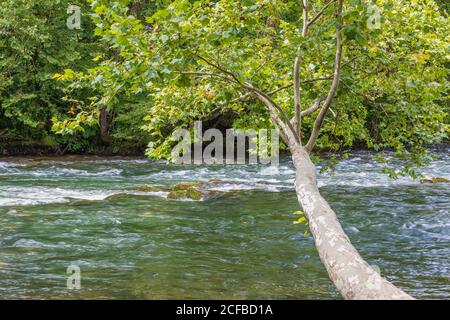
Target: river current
240,243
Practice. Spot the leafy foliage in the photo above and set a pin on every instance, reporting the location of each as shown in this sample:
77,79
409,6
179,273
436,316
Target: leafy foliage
393,93
35,43
155,72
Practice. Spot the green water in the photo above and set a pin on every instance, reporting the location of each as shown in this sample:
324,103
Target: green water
240,244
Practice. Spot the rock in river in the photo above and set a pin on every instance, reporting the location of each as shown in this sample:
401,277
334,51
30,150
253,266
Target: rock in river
434,180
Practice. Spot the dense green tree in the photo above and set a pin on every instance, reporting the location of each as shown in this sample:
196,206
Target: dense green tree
338,73
35,42
112,90
36,45
393,93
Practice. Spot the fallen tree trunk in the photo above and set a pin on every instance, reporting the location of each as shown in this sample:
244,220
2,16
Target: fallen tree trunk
351,275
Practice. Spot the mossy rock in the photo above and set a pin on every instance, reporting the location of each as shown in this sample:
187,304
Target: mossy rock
189,193
148,188
187,185
435,180
194,194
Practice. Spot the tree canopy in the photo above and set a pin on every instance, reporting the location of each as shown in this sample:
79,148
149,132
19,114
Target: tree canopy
152,66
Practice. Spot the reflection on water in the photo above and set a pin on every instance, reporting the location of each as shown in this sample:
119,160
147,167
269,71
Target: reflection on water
240,244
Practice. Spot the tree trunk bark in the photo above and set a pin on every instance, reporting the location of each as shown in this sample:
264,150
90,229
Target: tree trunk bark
104,126
351,275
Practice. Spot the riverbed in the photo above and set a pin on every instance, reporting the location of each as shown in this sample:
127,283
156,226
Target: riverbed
240,243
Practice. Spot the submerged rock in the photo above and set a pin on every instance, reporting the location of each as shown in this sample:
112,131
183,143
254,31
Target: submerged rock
149,188
194,190
117,196
187,185
80,202
187,190
126,196
435,180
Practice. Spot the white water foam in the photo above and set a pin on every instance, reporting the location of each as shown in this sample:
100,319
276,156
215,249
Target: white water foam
22,196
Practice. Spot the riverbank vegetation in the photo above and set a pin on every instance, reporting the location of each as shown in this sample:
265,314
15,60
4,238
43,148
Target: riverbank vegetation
98,85
328,75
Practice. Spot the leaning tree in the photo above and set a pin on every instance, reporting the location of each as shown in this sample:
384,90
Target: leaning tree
325,74
351,274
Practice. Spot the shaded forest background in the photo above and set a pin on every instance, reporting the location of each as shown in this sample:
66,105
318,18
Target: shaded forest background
35,44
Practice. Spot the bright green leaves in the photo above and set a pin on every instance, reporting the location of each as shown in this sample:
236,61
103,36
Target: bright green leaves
362,21
35,43
398,82
80,124
381,96
254,40
302,220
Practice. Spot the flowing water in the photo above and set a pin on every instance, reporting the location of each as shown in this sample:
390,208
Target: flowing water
239,244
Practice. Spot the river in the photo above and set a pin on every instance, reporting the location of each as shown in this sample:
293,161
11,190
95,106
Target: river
240,243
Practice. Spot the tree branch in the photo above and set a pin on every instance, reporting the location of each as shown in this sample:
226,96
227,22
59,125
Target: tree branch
301,82
305,18
211,74
218,67
265,98
320,13
275,119
249,95
231,78
259,94
334,85
297,102
314,107
215,111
